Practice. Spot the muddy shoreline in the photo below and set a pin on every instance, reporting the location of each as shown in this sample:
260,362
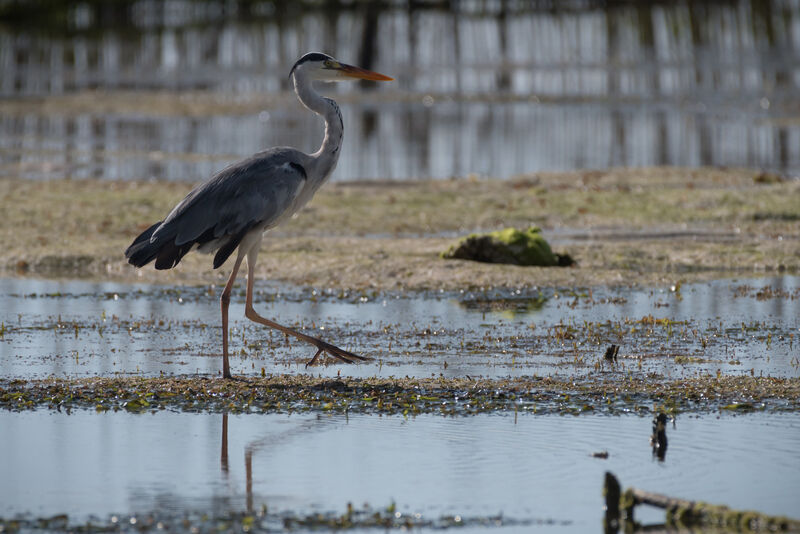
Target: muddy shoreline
624,227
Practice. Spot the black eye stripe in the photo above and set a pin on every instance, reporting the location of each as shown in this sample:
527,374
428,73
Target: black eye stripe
311,56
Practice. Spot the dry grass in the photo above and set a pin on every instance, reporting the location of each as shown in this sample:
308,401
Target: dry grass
623,226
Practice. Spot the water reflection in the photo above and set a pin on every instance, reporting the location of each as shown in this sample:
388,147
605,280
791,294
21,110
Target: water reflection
248,463
264,444
535,467
658,439
494,88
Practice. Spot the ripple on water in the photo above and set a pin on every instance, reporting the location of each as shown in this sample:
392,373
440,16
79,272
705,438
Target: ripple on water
537,468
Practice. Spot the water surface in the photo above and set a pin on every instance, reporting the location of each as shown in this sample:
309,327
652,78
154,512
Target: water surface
530,468
79,328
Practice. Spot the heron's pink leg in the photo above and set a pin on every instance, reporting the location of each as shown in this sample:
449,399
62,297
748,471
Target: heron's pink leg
224,301
250,313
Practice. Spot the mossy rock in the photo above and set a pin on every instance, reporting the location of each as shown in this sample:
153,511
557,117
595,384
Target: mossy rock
516,247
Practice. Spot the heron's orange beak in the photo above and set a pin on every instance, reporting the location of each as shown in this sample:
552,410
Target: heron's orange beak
364,74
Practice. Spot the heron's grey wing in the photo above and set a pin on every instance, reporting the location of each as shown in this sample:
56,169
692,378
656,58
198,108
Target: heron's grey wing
255,192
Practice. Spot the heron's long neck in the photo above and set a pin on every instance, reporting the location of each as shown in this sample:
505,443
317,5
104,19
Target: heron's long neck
328,154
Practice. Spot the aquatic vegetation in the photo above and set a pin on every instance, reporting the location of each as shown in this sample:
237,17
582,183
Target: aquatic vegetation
405,396
510,245
264,520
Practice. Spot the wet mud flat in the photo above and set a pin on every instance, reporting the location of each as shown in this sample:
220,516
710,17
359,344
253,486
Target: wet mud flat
406,396
703,347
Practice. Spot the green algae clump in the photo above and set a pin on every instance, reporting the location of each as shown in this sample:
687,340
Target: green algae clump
510,245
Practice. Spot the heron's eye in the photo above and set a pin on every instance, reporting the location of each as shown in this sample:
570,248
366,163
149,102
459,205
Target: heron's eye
328,64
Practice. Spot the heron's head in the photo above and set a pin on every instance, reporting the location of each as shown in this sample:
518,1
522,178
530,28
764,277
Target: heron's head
322,67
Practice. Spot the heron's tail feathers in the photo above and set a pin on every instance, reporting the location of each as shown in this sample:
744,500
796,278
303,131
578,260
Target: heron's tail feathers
227,249
166,253
141,252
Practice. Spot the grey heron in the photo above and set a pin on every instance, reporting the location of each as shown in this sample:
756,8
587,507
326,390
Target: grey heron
235,207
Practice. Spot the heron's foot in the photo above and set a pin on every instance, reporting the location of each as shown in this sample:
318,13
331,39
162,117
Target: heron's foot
336,352
226,373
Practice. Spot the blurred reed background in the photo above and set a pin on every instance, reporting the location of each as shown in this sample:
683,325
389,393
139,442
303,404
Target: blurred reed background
175,89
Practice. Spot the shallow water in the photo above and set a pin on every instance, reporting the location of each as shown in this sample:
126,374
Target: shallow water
532,468
492,88
79,328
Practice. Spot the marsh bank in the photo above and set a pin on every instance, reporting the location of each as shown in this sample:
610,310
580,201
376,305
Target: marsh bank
623,227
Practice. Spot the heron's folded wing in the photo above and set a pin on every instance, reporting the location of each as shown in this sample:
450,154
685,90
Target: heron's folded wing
254,192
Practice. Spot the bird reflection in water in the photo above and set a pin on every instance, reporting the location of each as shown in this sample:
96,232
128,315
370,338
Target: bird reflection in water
254,446
658,439
224,464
